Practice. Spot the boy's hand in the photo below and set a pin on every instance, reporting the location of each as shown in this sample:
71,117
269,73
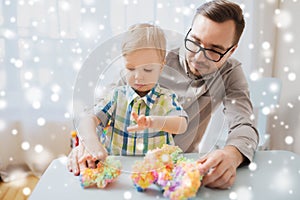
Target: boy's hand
92,152
142,121
80,158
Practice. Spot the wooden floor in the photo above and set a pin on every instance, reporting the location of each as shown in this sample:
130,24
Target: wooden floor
18,189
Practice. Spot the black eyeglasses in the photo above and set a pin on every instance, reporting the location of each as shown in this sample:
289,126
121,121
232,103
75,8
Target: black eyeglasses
209,54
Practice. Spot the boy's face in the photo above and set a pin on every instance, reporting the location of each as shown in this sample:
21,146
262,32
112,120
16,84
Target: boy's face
143,68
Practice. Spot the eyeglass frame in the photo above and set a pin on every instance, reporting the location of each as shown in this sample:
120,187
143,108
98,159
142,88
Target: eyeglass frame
204,49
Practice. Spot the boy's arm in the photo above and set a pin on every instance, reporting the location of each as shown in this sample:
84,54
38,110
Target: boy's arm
89,139
170,124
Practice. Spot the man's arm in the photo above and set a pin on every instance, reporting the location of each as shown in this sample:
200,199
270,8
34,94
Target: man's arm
239,114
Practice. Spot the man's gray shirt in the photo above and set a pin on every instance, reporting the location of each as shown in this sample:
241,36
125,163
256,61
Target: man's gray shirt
200,97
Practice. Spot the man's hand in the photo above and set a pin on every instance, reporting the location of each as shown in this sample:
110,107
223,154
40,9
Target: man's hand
80,159
220,167
142,121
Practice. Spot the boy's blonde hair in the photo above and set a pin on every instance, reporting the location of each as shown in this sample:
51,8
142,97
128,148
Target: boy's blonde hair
144,36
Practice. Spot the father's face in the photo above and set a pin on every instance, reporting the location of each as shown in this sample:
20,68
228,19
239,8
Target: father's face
217,37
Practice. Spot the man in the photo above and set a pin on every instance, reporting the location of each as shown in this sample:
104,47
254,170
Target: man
203,75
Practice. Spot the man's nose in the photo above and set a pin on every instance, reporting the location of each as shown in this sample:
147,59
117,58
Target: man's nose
200,56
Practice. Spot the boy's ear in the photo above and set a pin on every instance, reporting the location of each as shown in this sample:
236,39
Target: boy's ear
163,65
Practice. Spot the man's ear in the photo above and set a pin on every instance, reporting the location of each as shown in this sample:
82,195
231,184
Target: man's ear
233,49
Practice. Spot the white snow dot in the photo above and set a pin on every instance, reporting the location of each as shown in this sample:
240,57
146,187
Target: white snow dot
254,76
290,105
289,140
14,131
63,33
101,27
36,104
127,195
292,157
270,161
2,125
286,126
26,191
34,38
54,97
34,23
251,46
233,195
18,63
3,104
41,121
93,10
13,20
140,146
292,76
266,110
38,148
25,146
274,87
286,69
266,45
288,37
283,19
252,166
28,75
67,115
267,60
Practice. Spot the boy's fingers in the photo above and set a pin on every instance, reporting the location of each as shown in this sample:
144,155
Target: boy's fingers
135,116
132,128
91,164
82,167
141,120
74,163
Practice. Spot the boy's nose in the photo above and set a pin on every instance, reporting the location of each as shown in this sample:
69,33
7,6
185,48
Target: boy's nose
138,75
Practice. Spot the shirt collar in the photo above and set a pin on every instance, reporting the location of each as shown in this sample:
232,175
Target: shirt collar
149,99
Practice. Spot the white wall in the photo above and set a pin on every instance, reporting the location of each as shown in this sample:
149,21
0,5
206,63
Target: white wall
285,124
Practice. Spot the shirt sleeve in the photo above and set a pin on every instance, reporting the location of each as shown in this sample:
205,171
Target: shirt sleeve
105,107
239,114
175,108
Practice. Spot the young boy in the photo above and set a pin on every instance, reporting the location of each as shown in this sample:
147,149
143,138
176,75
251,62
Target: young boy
140,116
